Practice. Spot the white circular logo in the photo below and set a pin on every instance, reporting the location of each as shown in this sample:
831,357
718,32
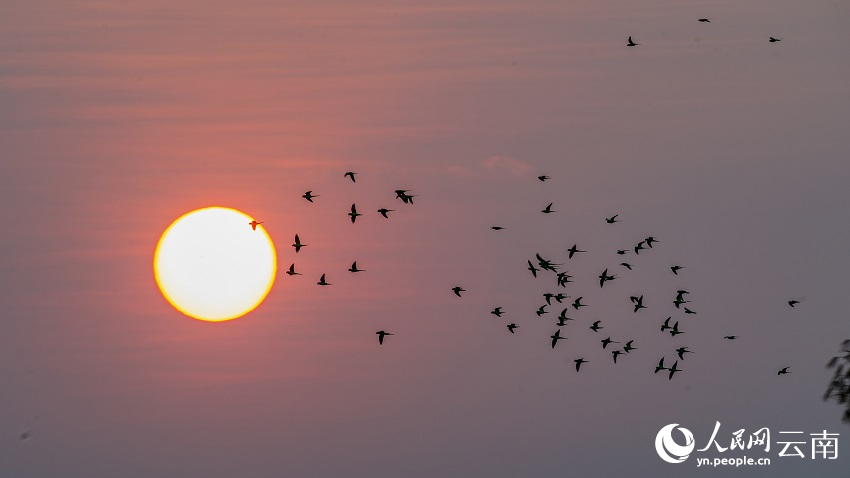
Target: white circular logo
668,449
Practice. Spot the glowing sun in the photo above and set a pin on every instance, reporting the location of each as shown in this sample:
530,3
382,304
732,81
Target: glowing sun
213,264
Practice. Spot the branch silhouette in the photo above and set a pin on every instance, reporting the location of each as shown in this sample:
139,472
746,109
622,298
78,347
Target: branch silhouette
839,386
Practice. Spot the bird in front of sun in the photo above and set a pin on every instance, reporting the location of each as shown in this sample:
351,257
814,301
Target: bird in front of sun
254,224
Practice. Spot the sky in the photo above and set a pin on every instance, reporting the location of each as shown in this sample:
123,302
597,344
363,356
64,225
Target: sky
116,118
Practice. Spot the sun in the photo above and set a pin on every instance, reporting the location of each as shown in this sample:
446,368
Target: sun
212,264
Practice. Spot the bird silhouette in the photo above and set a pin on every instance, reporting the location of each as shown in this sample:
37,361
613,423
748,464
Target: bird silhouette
350,174
548,296
496,228
573,251
297,244
615,353
405,198
604,276
546,264
689,311
626,265
543,178
354,268
254,224
622,251
562,321
612,219
649,240
578,362
577,303
673,370
291,270
384,212
532,269
793,302
511,327
660,366
497,312
595,327
681,351
548,209
381,335
639,247
628,348
783,371
353,213
680,299
676,269
704,20
730,337
631,43
774,40
322,281
563,279
560,297
563,315
607,341
675,330
457,290
666,324
638,302
555,338
541,310
309,196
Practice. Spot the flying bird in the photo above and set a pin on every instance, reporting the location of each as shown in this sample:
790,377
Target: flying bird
578,362
615,353
381,335
562,321
322,281
622,251
541,310
607,341
730,337
626,265
405,198
532,269
639,247
649,240
704,20
511,327
563,315
604,276
793,302
555,338
774,40
628,348
546,264
291,270
689,311
254,224
680,299
595,327
612,219
676,269
458,290
681,351
497,311
548,209
631,43
350,174
496,228
573,251
638,302
675,330
673,370
353,213
543,178
666,324
660,366
783,371
577,303
309,196
297,245
563,279
354,268
384,212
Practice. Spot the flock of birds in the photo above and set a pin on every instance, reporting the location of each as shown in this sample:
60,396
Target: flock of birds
542,265
631,42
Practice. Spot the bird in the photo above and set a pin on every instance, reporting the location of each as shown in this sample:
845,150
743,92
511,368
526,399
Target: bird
638,302
680,298
666,324
612,219
673,370
354,268
604,276
322,281
681,351
607,341
595,327
615,353
384,212
548,209
563,314
730,337
291,270
783,371
560,297
626,265
350,174
676,269
631,43
675,330
532,269
457,290
622,251
639,247
793,302
660,366
353,213
405,198
577,303
309,196
689,311
548,296
649,240
563,279
497,311
578,362
297,245
774,40
573,251
511,327
496,228
546,264
628,348
562,321
381,335
555,338
254,224
543,178
541,310
704,20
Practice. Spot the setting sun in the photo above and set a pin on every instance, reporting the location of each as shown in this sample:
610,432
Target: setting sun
215,264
